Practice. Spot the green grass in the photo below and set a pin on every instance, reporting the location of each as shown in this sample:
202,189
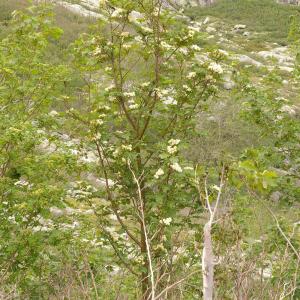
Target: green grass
72,24
262,16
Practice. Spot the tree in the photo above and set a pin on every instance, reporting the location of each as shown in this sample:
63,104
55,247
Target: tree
31,174
157,78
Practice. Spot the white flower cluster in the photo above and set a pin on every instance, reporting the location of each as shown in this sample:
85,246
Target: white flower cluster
176,167
146,29
167,96
186,88
127,46
53,113
132,104
215,67
127,147
129,94
125,34
195,48
135,16
159,173
223,52
97,51
166,46
183,51
166,221
191,75
193,29
172,147
117,13
109,88
145,84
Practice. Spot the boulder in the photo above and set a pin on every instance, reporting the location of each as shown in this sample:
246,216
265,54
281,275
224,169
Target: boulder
276,196
247,60
239,27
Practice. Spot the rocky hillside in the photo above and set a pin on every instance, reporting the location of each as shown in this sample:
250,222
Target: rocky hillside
294,2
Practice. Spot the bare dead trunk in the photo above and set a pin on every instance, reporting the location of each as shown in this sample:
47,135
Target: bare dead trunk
208,264
145,273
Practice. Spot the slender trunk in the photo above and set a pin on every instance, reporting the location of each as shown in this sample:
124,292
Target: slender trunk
208,263
145,273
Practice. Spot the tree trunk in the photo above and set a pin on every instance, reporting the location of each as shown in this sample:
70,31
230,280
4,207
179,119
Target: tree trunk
208,264
145,273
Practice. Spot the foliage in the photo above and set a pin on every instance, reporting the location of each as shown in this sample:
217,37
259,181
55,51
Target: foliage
110,166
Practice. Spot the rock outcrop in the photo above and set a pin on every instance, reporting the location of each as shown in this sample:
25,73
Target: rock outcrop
294,2
191,3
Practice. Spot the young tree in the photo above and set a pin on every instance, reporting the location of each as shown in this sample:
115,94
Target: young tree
31,174
146,77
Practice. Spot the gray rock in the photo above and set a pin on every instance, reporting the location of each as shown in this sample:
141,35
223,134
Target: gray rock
247,60
276,196
228,82
239,27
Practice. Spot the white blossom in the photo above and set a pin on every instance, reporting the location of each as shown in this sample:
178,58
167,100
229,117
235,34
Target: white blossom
195,48
174,142
129,94
111,98
99,122
116,153
138,39
172,149
189,168
166,45
132,104
127,147
125,34
187,88
53,113
176,167
166,221
134,16
146,29
216,68
159,247
169,100
127,46
97,51
117,13
145,84
183,51
74,151
109,88
159,173
191,75
225,53
97,136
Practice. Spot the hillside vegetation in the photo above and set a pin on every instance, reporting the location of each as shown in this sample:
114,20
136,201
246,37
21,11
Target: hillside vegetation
148,153
267,17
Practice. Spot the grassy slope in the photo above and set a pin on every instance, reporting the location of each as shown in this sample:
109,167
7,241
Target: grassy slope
262,16
71,23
